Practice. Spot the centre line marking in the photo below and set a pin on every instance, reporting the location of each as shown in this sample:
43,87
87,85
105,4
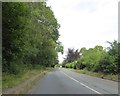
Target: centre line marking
82,83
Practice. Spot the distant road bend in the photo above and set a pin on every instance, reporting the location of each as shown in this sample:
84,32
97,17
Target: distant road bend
63,81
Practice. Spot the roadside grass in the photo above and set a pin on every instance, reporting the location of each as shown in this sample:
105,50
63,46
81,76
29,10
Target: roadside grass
11,80
100,75
0,80
0,85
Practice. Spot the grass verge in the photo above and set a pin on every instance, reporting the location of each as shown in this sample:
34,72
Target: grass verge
30,84
11,80
100,75
0,85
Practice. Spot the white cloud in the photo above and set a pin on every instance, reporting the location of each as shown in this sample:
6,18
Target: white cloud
86,23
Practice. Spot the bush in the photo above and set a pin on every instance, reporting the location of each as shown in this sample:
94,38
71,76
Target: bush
74,66
57,65
80,65
67,65
70,65
16,68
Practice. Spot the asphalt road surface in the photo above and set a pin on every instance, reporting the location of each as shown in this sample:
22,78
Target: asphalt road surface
64,81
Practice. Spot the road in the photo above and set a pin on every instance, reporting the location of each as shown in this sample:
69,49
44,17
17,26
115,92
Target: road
64,81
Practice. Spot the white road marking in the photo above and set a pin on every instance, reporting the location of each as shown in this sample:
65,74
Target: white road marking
82,83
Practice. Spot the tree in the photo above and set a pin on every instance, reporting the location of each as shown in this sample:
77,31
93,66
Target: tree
113,57
72,55
89,59
13,32
30,35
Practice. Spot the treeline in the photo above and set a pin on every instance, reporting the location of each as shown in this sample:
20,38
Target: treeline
29,36
97,59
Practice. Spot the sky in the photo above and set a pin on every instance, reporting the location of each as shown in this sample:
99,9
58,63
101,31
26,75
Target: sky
85,23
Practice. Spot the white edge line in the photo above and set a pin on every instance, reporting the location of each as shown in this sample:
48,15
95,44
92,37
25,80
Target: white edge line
82,84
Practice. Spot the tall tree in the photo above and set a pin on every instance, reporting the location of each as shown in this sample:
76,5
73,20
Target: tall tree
13,32
72,55
30,35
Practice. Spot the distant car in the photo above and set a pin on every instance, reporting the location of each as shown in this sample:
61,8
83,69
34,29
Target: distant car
60,66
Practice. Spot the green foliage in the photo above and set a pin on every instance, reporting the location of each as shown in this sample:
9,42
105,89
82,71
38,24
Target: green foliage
71,65
13,36
30,36
59,47
80,64
97,59
109,62
90,58
57,65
